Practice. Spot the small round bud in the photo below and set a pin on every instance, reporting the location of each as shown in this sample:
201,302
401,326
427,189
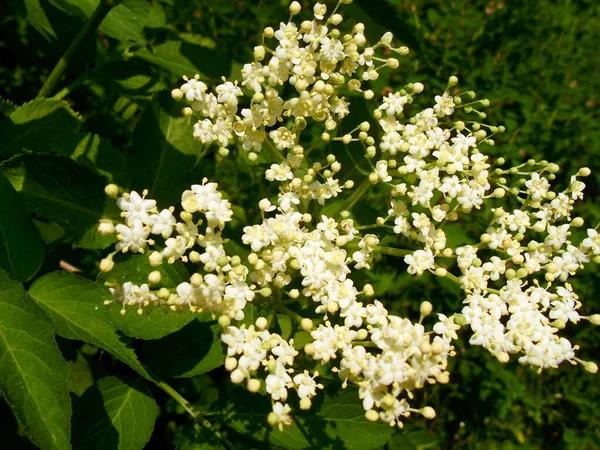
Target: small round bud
107,264
426,308
111,190
441,272
368,290
437,348
577,222
484,102
372,415
347,139
428,412
305,403
223,152
503,357
237,376
154,277
452,81
309,349
187,112
268,32
590,366
336,19
253,385
176,94
230,363
261,323
369,94
595,319
362,334
584,172
224,322
106,227
417,88
306,324
295,8
393,63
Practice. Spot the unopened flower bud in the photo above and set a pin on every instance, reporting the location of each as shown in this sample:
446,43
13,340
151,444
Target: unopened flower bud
426,308
106,227
295,8
107,264
371,415
224,322
111,190
177,94
253,385
261,323
154,277
428,412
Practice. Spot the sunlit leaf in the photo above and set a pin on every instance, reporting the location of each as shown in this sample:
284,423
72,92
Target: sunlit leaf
115,413
34,125
76,307
33,374
193,350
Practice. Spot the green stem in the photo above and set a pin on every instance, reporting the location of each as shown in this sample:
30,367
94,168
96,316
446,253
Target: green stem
71,87
196,415
400,252
93,22
354,197
274,151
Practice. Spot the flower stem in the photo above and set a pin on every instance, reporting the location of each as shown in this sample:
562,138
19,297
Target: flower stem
93,22
354,197
196,415
400,252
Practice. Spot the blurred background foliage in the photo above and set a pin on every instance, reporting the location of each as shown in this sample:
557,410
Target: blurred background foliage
537,61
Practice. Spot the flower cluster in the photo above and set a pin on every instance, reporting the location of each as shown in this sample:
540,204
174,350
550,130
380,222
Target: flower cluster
515,277
221,290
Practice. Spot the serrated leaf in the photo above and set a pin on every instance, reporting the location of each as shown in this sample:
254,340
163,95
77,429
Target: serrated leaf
33,125
6,107
21,247
116,413
64,192
162,150
191,351
155,322
76,307
33,374
186,58
332,422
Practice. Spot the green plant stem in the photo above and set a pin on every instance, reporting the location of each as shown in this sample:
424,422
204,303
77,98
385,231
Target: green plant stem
354,197
196,415
400,252
93,22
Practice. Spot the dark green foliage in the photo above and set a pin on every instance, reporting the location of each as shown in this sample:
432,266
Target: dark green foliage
111,120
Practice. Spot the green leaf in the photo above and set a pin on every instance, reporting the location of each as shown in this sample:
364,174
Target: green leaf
132,78
21,247
33,374
95,153
116,413
186,58
197,439
124,22
36,16
76,307
33,125
155,322
64,192
80,374
191,351
332,422
162,149
415,440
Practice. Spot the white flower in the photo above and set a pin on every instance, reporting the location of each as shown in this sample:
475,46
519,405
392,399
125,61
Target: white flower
419,261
